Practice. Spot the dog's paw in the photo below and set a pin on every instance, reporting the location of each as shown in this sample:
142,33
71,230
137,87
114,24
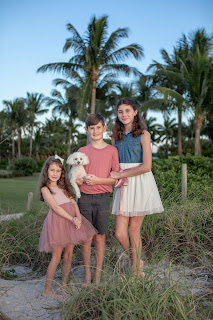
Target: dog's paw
78,194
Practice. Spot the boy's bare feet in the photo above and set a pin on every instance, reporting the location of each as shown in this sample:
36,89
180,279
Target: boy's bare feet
97,280
66,289
97,276
87,280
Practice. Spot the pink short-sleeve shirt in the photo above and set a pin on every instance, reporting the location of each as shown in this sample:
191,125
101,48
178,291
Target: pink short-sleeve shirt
101,163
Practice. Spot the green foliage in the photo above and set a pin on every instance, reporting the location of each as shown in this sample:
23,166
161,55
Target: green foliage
207,153
40,164
182,231
3,164
24,166
122,298
167,173
20,240
10,274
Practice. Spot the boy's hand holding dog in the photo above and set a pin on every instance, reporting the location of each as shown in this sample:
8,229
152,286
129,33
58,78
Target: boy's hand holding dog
91,179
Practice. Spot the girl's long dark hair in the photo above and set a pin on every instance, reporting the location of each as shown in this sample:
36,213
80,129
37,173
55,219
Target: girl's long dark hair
137,125
62,183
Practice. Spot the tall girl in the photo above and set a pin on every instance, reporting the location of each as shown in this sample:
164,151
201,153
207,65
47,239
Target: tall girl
139,195
64,226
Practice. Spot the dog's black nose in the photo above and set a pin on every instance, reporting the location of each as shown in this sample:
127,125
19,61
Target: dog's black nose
78,162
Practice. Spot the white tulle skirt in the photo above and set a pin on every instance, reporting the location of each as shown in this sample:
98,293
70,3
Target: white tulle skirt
139,198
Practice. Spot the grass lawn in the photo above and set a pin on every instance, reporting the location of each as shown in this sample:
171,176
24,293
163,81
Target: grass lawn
14,194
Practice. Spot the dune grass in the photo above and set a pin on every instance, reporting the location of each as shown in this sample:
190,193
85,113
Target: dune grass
14,194
182,235
122,298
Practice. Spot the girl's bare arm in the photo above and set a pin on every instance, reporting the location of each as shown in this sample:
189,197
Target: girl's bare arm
54,205
77,211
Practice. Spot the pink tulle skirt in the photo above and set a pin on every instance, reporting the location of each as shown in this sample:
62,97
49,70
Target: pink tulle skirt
58,231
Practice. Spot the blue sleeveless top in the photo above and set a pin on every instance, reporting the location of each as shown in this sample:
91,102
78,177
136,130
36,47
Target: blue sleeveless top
129,149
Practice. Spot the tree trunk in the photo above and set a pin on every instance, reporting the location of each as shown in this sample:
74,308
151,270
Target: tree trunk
145,114
94,76
180,150
37,154
70,137
13,145
167,148
31,139
198,125
19,143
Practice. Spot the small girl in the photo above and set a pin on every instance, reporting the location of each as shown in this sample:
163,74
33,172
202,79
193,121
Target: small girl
138,195
64,226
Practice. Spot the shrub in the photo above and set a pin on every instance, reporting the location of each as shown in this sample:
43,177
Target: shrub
24,166
3,164
6,174
167,173
40,164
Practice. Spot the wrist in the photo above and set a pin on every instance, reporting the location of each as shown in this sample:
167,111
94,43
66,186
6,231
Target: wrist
120,175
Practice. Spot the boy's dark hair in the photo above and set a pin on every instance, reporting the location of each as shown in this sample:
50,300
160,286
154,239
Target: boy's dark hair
94,119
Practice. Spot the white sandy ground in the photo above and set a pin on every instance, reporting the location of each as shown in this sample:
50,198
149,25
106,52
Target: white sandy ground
22,300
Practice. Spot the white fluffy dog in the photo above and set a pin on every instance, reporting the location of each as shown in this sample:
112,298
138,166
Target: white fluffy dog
77,160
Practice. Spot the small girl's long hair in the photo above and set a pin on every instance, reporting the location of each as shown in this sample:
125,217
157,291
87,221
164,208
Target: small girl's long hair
137,125
62,183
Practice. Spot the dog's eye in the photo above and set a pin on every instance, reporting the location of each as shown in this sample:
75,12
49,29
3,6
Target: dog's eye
76,158
80,158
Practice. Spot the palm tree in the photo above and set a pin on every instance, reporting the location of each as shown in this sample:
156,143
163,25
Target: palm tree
66,106
38,138
11,110
167,132
146,96
34,103
3,134
125,90
171,83
189,129
3,123
97,54
80,87
55,136
198,74
21,122
152,126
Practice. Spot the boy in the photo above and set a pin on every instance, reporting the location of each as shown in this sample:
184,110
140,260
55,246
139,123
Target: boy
94,203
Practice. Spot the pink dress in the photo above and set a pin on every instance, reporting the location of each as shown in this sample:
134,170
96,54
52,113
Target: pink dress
58,231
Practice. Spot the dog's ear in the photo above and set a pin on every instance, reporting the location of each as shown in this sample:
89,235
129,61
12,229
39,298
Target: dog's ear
85,160
70,160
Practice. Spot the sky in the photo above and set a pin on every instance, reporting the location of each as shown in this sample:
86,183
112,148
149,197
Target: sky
33,33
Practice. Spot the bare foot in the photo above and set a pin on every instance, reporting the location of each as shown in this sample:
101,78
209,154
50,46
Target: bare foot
138,272
87,280
66,290
141,274
86,283
97,281
51,294
97,277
